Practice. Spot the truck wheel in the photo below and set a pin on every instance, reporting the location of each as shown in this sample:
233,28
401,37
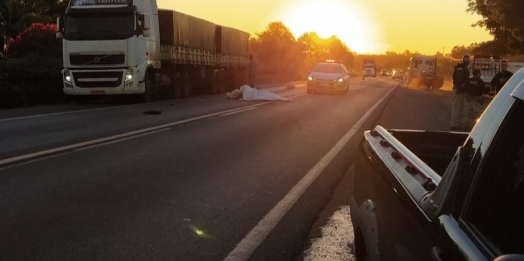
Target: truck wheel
149,82
186,85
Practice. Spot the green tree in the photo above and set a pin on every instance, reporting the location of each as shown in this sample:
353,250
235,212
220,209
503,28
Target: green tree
503,19
274,47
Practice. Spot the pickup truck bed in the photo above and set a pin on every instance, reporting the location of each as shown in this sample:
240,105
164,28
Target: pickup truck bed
399,167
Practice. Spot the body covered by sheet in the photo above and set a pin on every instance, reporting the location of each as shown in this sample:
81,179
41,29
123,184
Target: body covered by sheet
252,94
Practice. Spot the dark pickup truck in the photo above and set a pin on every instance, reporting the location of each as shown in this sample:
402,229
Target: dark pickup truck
424,195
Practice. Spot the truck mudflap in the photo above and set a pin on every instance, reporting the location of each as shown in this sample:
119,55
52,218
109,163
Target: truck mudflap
366,230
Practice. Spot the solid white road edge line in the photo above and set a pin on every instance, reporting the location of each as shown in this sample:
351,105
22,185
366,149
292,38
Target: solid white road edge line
256,236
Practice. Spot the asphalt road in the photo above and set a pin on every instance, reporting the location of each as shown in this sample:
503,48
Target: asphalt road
190,183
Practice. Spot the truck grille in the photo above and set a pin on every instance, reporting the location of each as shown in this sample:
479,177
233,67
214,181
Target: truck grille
98,79
96,59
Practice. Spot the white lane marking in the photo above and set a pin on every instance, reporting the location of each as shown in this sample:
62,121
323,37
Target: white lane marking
80,149
118,136
119,140
256,236
239,111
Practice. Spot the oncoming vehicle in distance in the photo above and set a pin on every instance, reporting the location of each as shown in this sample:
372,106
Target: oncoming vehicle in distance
328,76
384,72
397,74
369,69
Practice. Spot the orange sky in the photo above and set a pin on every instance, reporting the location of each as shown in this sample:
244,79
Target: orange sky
366,26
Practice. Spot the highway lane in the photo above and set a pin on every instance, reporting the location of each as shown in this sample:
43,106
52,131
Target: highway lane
190,191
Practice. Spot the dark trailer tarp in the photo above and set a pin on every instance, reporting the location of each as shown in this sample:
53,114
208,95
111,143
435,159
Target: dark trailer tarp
179,29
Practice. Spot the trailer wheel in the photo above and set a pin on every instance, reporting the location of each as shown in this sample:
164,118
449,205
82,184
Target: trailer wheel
186,85
149,94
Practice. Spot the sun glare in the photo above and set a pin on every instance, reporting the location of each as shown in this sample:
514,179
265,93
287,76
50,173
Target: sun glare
347,21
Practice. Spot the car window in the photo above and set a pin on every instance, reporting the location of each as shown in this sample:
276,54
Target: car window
495,210
328,68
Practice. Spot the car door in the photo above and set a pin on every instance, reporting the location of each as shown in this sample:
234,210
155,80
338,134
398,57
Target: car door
491,222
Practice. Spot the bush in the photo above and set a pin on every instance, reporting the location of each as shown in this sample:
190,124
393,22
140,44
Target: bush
30,74
30,80
37,38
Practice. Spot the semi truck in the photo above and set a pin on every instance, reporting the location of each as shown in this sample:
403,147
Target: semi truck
422,71
130,47
369,69
439,195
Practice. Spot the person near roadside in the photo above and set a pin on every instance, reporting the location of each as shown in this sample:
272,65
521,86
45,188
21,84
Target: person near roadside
474,89
501,77
460,76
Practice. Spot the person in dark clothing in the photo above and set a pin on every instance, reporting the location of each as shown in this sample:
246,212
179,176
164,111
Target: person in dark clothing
501,77
474,88
460,76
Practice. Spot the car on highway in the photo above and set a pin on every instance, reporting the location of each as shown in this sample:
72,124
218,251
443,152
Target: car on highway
384,72
397,74
328,76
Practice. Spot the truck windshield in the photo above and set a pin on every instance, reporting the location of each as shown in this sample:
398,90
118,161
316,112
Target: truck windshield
105,26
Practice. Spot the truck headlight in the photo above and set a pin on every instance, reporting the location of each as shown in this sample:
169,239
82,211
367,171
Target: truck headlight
341,80
310,78
129,76
68,80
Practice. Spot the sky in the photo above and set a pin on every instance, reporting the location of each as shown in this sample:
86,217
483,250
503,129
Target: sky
366,26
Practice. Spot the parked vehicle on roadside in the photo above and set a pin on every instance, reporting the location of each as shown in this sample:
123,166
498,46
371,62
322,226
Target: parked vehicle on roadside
438,195
130,47
422,71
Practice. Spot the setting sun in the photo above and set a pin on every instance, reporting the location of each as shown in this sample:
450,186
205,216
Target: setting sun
347,21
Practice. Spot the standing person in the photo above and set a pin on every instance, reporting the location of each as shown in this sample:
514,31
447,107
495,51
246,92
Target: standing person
474,88
251,71
460,76
501,77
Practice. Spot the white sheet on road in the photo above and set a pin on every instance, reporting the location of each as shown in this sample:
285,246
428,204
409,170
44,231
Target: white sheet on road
252,94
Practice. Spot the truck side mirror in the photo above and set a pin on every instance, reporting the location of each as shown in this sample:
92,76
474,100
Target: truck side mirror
143,25
59,34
